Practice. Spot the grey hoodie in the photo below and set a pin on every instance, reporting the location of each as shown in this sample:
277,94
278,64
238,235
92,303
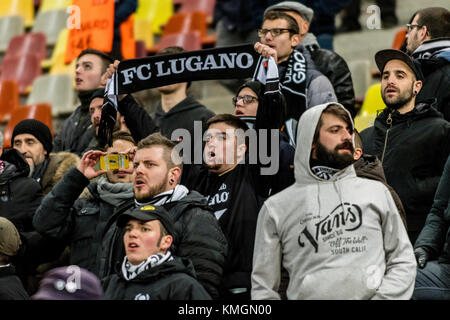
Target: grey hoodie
341,238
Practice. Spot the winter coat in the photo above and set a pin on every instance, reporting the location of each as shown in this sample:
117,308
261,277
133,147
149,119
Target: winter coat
370,167
10,286
417,146
182,116
78,222
198,237
171,280
77,131
332,236
56,167
435,235
435,66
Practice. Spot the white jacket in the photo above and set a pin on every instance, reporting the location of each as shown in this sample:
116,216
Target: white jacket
341,238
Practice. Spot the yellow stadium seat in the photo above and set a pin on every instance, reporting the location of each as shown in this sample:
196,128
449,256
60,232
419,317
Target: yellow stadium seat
363,121
157,12
142,32
23,8
373,101
49,5
60,48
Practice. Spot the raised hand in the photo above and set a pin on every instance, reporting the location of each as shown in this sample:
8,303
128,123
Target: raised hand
266,51
88,162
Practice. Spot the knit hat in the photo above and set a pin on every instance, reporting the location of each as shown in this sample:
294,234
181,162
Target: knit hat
36,128
304,11
69,283
98,93
254,85
9,238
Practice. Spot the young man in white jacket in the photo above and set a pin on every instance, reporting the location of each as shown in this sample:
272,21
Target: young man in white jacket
339,236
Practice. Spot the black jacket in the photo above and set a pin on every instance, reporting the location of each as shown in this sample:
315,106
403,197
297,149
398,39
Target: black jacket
171,280
78,222
181,116
417,147
77,131
10,286
198,237
435,236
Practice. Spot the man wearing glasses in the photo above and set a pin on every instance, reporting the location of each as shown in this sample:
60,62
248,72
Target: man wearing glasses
302,85
428,42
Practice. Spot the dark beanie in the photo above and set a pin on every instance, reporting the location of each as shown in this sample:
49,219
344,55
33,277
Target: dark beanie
97,93
36,128
254,85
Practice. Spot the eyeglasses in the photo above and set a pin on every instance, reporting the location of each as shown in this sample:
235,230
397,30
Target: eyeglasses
275,32
409,27
246,99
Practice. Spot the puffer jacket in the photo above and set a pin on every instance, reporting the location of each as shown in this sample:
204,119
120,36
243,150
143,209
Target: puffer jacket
171,280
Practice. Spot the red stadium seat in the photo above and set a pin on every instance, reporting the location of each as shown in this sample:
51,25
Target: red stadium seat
40,111
140,49
9,98
27,43
188,41
23,69
206,6
189,21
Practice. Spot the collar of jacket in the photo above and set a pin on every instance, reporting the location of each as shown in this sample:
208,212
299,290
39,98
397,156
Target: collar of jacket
430,48
14,157
85,99
425,109
187,104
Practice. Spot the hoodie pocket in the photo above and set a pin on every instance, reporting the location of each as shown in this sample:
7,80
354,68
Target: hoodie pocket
340,284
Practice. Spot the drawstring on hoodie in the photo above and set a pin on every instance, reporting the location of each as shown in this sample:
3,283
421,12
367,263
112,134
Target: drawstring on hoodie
338,191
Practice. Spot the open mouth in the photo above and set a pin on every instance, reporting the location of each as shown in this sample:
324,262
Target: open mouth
132,245
238,113
391,90
139,183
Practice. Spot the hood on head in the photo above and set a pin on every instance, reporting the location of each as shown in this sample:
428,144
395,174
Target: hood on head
305,135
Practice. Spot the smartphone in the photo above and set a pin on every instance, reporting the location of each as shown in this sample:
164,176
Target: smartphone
114,161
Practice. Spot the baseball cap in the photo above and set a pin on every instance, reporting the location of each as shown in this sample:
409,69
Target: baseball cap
69,283
9,238
384,56
148,213
304,11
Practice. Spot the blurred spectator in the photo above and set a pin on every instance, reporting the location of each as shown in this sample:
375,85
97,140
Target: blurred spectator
122,11
149,271
11,287
69,283
350,16
428,42
77,131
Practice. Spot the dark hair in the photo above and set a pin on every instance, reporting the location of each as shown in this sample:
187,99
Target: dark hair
158,140
122,135
336,110
106,58
358,140
275,14
436,19
172,50
230,120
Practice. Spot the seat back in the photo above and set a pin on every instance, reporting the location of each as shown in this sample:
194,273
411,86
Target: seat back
24,8
206,6
33,42
373,102
399,39
360,71
23,69
9,98
10,27
50,23
188,41
157,12
41,112
48,5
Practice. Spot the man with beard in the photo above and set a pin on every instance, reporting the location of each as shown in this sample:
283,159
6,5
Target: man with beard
339,236
198,237
428,42
33,140
411,139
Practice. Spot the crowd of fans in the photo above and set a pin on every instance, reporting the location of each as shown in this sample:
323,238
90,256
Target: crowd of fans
346,215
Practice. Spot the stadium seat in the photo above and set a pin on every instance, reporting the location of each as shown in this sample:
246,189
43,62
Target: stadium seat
10,27
9,99
399,39
206,6
141,51
23,8
28,43
188,41
40,111
49,5
363,121
361,76
142,33
157,12
23,69
373,101
55,89
50,23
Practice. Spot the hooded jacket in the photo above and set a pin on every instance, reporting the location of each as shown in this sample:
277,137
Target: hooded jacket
171,280
340,238
434,59
415,147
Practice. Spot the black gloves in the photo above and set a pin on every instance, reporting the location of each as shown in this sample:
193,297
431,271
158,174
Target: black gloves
422,257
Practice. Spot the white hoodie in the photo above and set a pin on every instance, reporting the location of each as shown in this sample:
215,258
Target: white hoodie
341,238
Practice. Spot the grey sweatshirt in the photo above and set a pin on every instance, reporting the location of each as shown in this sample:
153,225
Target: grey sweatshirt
341,238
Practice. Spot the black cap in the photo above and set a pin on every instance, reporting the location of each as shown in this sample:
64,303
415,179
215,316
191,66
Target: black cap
98,93
36,128
148,213
384,56
254,85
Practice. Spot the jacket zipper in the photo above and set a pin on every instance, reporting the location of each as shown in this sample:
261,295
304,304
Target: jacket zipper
389,123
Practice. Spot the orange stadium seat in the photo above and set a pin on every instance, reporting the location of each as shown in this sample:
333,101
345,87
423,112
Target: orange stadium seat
23,69
189,21
9,98
40,111
188,41
399,38
28,43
